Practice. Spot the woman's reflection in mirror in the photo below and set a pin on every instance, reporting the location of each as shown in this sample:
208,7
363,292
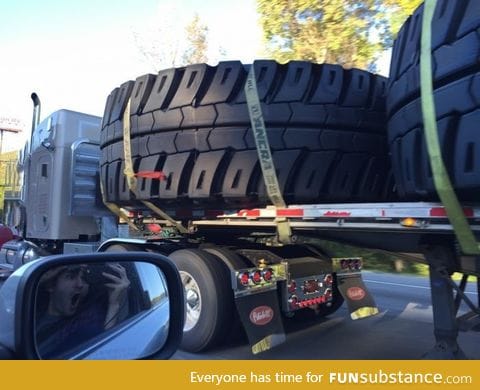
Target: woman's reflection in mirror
73,306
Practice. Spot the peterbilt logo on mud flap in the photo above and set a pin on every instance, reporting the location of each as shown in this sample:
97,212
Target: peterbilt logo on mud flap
261,315
356,293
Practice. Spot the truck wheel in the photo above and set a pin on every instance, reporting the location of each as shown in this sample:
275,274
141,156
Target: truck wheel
208,295
326,126
236,262
456,81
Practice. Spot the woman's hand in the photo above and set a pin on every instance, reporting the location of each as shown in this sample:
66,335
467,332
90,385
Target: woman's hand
117,286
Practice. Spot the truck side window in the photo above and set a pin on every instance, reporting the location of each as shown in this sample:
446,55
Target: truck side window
44,170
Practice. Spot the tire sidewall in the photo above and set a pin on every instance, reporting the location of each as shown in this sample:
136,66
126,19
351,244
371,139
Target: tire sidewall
199,265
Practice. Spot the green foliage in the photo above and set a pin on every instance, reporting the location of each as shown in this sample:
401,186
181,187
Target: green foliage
398,12
372,260
380,261
351,33
335,31
8,175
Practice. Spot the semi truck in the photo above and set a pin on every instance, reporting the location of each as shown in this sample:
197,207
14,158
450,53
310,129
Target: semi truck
239,267
235,172
224,278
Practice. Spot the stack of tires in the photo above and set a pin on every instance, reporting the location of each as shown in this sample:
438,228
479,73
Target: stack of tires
333,133
455,51
326,126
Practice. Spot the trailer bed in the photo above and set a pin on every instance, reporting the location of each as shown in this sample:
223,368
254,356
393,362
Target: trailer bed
396,227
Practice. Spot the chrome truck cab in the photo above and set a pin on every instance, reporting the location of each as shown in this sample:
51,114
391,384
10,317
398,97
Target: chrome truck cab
60,178
60,195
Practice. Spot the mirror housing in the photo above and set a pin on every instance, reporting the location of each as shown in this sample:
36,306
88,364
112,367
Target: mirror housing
18,303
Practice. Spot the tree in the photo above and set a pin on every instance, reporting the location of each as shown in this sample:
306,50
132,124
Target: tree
337,31
170,41
159,40
349,32
398,12
9,180
196,36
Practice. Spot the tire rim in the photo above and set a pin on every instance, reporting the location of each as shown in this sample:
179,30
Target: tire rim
193,301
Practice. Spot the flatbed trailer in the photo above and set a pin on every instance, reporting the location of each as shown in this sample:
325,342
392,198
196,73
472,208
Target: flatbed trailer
414,231
417,223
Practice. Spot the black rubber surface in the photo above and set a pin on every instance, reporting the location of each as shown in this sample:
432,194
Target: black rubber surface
456,72
215,298
326,127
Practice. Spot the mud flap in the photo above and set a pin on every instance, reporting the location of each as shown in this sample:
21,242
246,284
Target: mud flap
359,301
261,318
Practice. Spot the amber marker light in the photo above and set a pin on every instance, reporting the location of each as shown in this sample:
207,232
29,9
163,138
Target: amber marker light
409,222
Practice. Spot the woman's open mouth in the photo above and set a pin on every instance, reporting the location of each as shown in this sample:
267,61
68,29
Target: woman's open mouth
75,300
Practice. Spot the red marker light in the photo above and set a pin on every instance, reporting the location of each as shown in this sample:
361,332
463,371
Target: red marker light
267,274
244,278
292,286
256,277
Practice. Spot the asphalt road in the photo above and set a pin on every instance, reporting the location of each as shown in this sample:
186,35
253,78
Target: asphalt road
402,330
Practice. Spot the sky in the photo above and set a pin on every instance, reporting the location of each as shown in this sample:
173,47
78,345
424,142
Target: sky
73,53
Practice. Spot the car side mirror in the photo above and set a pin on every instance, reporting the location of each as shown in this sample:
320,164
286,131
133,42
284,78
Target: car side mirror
94,306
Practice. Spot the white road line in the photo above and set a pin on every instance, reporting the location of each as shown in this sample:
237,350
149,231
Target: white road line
407,285
397,284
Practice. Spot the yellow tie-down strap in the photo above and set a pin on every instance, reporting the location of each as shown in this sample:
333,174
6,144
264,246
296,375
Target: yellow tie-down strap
130,174
115,209
284,231
443,185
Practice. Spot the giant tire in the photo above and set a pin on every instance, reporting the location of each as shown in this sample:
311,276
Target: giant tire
209,299
326,126
456,77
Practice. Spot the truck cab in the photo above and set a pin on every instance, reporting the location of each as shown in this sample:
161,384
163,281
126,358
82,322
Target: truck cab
60,195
